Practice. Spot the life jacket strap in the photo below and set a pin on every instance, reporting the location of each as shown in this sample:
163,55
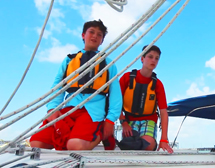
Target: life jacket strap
71,56
154,80
86,57
85,91
133,74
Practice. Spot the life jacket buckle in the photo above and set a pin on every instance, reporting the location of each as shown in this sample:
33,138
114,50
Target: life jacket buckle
133,75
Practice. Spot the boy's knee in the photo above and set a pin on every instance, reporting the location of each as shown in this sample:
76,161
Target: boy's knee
80,144
152,147
75,144
35,144
38,144
152,141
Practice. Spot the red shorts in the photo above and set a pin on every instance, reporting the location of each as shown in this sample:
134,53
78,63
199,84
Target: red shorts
83,128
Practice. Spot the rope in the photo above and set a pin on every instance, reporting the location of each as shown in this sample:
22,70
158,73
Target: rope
14,160
119,3
66,162
59,106
153,8
139,153
146,163
126,162
46,162
102,86
32,57
92,65
196,151
120,152
90,81
70,164
74,159
76,156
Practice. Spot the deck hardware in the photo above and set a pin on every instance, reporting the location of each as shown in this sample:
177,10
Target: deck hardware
20,150
36,155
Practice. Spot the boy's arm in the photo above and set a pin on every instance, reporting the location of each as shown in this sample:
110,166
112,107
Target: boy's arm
164,124
123,85
60,98
164,142
115,103
126,128
115,96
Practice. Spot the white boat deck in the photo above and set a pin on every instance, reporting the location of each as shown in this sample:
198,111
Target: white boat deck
188,158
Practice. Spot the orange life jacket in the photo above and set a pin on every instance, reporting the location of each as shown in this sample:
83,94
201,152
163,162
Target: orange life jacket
140,99
77,61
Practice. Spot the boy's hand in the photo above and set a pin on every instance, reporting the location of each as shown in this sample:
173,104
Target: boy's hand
127,130
107,130
165,146
53,116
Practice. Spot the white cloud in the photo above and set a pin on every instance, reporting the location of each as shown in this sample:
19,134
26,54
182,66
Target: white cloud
55,22
132,11
194,90
192,128
6,132
178,97
46,33
66,2
76,32
192,132
57,53
211,63
57,25
42,5
56,13
98,10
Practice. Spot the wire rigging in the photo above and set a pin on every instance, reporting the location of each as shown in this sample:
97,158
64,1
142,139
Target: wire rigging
20,137
32,57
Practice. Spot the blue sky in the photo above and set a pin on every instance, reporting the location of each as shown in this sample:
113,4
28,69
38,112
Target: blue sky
186,67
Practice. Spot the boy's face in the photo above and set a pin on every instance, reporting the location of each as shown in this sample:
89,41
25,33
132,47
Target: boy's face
151,59
92,38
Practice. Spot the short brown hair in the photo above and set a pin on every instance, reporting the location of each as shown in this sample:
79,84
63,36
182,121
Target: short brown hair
153,48
95,23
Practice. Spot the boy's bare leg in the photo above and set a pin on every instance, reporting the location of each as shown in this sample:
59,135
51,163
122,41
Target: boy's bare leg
80,144
151,140
39,144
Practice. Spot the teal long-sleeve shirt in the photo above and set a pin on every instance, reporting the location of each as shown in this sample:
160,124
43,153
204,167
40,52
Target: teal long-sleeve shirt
95,106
